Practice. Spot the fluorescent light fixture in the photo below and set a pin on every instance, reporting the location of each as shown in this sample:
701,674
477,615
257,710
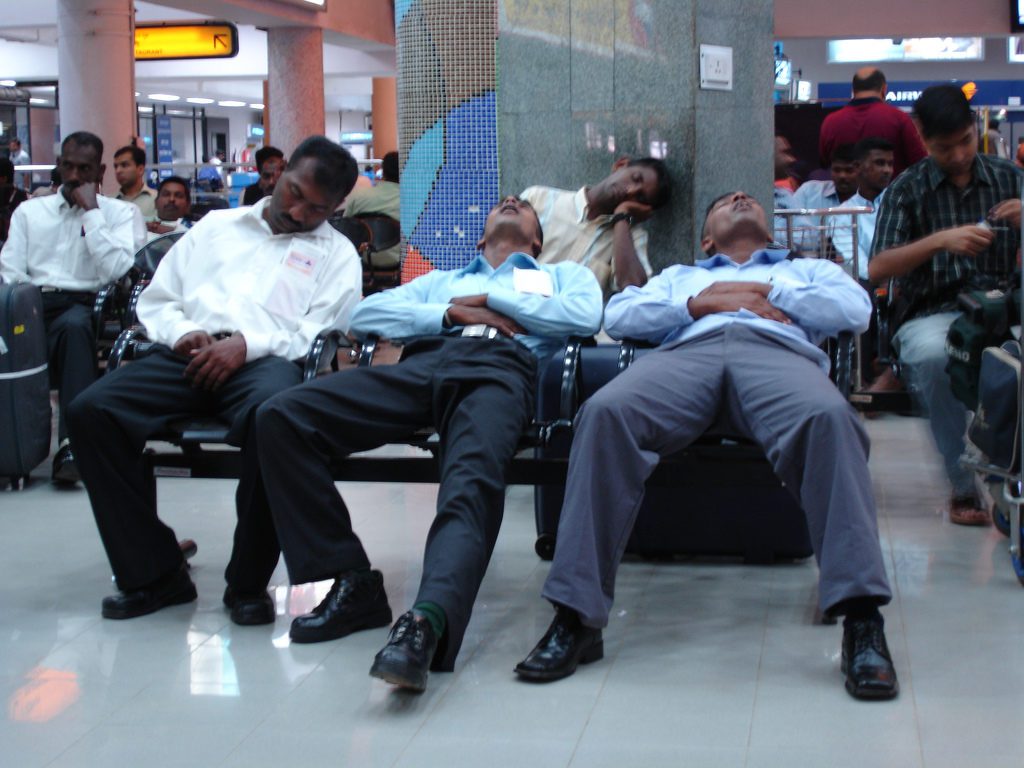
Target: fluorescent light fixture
145,109
256,106
35,100
231,103
163,97
8,83
199,100
137,94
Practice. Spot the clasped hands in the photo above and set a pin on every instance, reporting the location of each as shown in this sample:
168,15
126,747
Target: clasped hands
730,296
212,361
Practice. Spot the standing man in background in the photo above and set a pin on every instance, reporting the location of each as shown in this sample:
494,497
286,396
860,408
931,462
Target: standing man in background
130,172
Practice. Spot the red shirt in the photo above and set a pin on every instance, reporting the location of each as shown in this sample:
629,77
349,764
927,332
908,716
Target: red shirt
872,117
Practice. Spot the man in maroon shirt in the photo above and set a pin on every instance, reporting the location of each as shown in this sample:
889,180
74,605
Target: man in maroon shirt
867,115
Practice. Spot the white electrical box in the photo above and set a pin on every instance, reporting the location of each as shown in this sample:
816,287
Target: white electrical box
716,67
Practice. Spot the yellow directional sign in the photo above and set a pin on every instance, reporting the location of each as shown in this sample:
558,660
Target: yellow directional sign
209,40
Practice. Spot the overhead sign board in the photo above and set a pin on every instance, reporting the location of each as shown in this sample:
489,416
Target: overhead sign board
206,40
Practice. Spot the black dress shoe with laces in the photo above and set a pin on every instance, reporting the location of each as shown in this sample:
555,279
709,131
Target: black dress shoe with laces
249,610
565,645
866,660
355,601
64,470
174,589
405,660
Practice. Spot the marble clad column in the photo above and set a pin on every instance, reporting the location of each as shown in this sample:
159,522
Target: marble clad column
582,82
295,66
96,73
385,115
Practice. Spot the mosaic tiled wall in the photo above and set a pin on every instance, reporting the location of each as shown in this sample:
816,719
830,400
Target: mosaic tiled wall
447,128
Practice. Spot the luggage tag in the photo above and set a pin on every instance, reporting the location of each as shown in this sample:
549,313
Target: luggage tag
532,281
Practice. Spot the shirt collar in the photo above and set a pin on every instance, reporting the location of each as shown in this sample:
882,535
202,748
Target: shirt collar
980,173
481,265
763,256
863,100
580,202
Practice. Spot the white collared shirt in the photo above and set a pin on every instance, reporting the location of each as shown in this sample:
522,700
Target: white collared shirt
52,243
570,236
230,273
178,225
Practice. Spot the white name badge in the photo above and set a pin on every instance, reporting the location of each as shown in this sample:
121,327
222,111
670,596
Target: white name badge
532,281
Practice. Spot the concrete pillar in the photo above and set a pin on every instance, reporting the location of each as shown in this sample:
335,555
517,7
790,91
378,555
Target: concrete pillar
295,70
385,115
96,73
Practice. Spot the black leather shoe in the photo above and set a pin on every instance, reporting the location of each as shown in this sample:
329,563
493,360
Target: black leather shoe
565,645
170,590
355,601
249,610
64,470
866,660
405,660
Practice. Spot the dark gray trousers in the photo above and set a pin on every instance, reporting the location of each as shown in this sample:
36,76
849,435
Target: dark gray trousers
758,385
71,346
477,393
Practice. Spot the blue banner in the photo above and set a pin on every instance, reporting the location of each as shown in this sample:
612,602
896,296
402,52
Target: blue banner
904,93
164,149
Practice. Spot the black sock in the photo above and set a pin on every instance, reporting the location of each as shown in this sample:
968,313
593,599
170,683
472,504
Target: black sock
435,615
857,609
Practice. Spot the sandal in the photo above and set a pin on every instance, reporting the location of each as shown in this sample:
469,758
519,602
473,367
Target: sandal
964,510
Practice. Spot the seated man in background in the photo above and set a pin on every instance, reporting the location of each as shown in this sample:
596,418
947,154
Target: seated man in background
874,172
594,226
71,245
471,373
935,237
11,196
173,206
807,234
383,199
130,172
232,305
739,334
269,165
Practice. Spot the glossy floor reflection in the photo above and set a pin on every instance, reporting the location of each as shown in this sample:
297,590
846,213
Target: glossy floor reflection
707,664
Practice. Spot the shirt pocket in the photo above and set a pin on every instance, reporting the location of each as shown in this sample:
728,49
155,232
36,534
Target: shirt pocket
293,283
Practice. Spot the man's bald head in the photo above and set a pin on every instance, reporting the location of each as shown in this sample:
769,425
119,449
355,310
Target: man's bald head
869,81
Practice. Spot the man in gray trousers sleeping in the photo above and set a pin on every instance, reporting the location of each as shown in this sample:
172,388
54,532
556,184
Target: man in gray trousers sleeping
739,334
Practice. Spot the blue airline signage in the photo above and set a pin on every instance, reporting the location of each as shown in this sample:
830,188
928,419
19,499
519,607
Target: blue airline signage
905,93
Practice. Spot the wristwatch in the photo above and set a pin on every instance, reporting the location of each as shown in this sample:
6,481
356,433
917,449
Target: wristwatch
626,217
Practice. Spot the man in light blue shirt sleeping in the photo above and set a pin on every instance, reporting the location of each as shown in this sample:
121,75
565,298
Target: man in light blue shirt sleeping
738,334
474,339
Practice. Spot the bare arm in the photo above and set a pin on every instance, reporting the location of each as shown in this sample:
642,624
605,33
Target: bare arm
625,263
969,240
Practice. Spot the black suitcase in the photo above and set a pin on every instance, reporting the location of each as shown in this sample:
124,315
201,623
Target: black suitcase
24,382
717,497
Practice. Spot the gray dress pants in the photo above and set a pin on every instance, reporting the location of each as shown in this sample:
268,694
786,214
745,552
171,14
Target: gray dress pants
761,386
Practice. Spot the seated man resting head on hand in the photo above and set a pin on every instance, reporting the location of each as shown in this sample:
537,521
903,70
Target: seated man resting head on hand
471,373
739,334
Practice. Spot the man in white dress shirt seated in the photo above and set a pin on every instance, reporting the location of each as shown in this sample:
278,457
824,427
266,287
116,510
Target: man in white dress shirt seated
71,245
233,304
172,208
738,334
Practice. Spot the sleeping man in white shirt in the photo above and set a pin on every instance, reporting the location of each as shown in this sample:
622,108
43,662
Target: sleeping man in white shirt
231,306
738,335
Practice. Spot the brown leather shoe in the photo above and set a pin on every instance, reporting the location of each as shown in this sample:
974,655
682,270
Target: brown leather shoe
965,510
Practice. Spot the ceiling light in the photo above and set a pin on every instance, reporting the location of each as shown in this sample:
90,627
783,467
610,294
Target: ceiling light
256,106
231,103
35,100
137,94
163,97
199,100
8,83
145,109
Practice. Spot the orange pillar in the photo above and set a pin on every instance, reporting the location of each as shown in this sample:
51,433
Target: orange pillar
385,115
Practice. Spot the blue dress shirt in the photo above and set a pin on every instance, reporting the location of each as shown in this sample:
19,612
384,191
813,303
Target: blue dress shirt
817,295
417,308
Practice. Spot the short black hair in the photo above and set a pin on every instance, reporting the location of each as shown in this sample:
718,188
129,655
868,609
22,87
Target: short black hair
873,82
845,153
172,180
711,206
942,109
336,169
6,169
138,155
84,139
389,167
265,153
664,190
865,146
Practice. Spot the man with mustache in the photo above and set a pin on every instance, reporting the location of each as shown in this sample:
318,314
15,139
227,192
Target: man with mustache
477,334
232,305
738,334
947,224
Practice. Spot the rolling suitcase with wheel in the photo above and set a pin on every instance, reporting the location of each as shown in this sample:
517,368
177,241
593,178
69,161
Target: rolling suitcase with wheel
24,382
719,496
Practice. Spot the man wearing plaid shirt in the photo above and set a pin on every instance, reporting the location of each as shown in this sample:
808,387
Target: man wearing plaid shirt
949,223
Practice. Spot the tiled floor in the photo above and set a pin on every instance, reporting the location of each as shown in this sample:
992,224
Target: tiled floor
707,664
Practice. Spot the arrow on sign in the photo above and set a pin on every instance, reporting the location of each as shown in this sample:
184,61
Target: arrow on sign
220,39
